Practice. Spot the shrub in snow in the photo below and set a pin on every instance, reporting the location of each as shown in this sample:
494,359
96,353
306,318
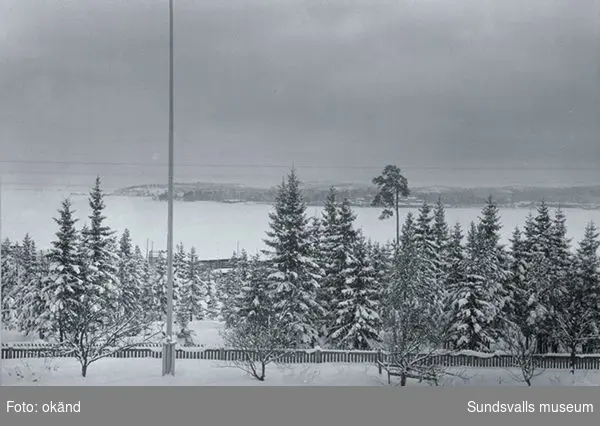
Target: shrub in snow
524,351
261,338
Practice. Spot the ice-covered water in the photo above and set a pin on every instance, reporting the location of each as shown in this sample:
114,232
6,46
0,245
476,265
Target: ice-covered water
215,229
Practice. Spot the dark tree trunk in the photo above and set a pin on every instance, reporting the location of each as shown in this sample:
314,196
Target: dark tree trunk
403,379
61,330
573,358
84,367
542,344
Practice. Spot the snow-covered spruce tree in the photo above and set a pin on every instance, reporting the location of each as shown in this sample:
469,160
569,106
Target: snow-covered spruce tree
400,283
444,256
253,295
144,271
62,287
315,228
159,286
28,301
429,264
316,232
93,331
454,276
534,274
474,305
216,289
349,235
341,256
543,247
587,269
489,225
540,235
496,270
83,263
99,327
516,268
410,333
489,228
381,256
441,235
101,287
181,310
578,320
9,283
520,325
23,265
295,275
561,270
358,322
561,244
29,255
230,285
329,261
130,277
520,300
196,287
212,300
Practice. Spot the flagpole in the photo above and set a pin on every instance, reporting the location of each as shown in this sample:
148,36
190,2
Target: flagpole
169,345
1,300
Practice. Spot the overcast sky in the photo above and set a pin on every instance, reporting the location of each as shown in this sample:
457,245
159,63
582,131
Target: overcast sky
455,92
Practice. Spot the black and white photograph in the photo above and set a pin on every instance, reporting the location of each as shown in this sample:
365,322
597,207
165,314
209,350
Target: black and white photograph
392,193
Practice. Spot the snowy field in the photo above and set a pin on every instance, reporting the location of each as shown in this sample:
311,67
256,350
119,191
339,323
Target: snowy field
215,229
147,372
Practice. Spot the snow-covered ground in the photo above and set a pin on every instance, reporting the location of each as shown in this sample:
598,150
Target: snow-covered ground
215,229
147,372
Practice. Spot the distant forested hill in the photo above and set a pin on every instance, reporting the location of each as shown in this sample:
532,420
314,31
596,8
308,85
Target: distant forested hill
361,195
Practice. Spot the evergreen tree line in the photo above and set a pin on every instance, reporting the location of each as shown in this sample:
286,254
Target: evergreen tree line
329,285
91,269
323,282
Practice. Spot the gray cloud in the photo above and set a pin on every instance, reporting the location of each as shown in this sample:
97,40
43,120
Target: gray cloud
343,83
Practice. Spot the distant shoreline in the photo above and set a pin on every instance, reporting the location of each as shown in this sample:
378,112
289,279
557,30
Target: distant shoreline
360,195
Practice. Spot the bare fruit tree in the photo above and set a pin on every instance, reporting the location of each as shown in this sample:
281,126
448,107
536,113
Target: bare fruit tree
261,341
412,341
94,335
523,349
